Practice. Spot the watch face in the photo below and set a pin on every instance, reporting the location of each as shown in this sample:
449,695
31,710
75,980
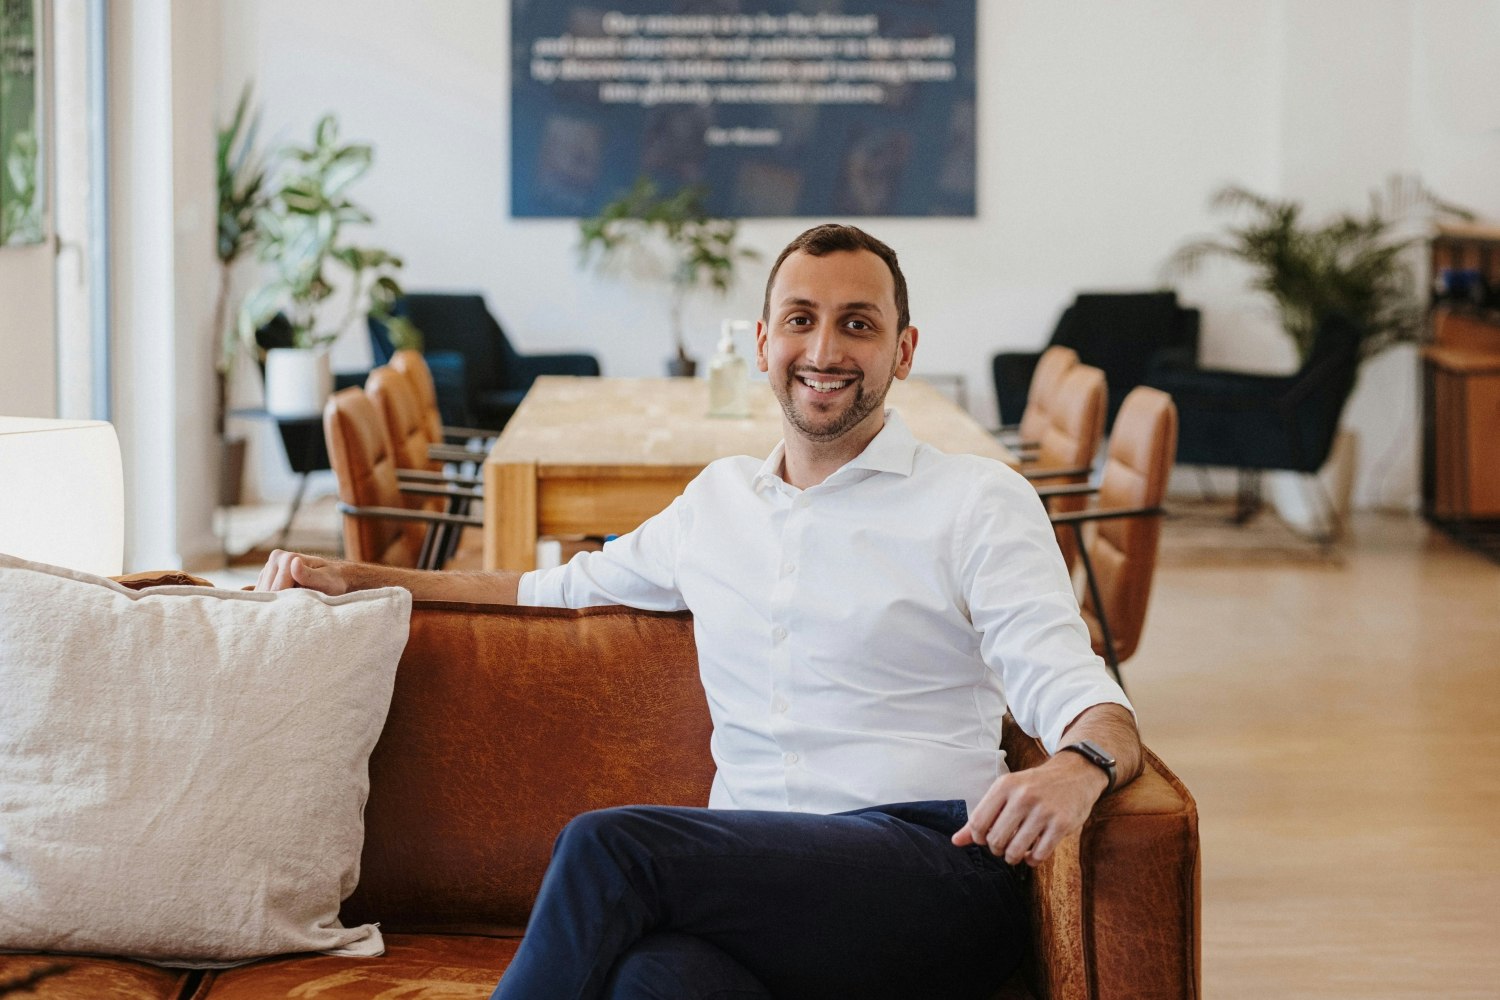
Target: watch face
1095,754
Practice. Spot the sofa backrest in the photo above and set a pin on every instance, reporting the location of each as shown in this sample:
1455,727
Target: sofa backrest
505,723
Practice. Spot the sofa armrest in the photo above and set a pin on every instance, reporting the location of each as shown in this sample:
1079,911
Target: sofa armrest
1115,911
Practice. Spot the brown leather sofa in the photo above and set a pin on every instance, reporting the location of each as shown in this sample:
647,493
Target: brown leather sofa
506,722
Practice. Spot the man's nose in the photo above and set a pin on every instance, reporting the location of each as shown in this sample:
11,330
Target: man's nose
824,348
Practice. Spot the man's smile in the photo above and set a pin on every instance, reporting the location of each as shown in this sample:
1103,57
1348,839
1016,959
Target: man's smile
824,384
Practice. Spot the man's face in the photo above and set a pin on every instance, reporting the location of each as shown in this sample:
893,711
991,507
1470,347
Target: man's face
830,342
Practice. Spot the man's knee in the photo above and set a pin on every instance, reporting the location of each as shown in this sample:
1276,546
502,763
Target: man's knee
667,965
621,832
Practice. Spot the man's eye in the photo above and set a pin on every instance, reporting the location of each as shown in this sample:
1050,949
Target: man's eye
798,321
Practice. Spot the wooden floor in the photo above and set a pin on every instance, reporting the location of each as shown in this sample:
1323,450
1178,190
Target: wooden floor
1339,724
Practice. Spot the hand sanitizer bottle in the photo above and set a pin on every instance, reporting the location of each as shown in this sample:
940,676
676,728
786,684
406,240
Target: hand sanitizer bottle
728,379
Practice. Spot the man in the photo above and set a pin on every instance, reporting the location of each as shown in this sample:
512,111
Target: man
866,608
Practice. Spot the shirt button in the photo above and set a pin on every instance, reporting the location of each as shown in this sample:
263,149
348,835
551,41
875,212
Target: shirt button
780,705
778,633
791,758
788,568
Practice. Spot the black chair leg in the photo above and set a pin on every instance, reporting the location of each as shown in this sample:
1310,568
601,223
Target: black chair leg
1111,656
291,515
1248,500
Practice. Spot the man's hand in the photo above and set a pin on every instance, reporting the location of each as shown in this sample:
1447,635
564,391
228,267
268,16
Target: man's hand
1026,814
287,570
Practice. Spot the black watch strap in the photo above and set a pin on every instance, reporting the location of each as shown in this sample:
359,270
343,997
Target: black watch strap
1094,754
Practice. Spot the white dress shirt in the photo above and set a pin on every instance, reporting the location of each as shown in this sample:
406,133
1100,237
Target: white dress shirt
860,640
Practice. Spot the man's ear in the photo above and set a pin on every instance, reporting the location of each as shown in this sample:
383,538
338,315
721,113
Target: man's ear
906,349
761,361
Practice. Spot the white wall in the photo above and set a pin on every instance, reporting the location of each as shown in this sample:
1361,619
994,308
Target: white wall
1103,130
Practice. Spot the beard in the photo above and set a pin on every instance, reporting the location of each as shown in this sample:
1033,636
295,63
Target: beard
817,426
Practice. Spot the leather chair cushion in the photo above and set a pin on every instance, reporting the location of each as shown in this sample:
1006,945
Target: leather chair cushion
72,977
416,965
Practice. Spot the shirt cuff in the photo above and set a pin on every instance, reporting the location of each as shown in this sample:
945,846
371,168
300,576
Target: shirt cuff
1071,710
526,589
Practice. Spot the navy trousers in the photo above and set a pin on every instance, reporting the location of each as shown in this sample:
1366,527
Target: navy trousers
660,902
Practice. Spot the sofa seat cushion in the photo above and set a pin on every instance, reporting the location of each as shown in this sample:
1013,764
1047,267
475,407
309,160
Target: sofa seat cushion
450,966
69,977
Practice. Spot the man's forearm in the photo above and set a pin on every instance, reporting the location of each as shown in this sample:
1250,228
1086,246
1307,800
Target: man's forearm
1113,728
474,587
285,570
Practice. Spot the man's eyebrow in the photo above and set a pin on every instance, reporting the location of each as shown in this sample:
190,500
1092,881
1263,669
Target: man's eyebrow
844,307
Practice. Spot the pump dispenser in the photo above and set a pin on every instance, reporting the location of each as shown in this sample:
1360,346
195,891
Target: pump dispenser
728,378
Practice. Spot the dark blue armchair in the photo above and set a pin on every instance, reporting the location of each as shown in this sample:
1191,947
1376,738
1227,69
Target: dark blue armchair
1258,422
1122,333
480,378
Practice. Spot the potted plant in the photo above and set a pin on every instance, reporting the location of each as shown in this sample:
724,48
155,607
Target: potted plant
1356,265
1360,266
670,237
242,194
303,243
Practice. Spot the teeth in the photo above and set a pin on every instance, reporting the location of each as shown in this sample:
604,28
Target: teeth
825,386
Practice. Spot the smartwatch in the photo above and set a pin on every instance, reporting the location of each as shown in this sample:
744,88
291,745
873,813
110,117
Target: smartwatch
1094,754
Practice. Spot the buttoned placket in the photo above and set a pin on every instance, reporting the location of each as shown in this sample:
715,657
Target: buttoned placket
782,603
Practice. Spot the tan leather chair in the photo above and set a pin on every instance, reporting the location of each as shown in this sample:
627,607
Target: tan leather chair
378,526
1068,442
1119,554
411,364
395,398
1046,381
424,483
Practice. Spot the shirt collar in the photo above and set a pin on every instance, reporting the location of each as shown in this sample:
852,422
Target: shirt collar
893,449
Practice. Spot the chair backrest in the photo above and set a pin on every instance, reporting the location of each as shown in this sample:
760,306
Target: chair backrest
462,323
1120,332
1074,429
365,466
406,421
411,364
1046,382
1123,550
1322,386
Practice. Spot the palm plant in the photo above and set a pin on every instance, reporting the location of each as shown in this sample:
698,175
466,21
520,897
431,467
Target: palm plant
699,248
301,235
1356,265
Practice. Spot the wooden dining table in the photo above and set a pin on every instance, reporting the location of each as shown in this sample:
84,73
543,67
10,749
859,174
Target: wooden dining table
598,456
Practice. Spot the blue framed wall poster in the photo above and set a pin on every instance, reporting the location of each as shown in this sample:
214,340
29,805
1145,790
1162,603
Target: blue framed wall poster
779,107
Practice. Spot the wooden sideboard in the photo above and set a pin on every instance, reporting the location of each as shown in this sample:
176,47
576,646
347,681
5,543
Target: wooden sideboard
1461,381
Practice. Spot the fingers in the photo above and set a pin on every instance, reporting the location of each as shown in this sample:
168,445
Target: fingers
1025,815
276,573
289,570
316,574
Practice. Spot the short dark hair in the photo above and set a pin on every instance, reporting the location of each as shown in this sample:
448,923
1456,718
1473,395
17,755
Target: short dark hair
830,238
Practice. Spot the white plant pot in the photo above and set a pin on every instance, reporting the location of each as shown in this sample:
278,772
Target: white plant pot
298,382
1299,503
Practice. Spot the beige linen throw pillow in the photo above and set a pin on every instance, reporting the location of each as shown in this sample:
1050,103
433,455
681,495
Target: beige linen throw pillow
183,771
